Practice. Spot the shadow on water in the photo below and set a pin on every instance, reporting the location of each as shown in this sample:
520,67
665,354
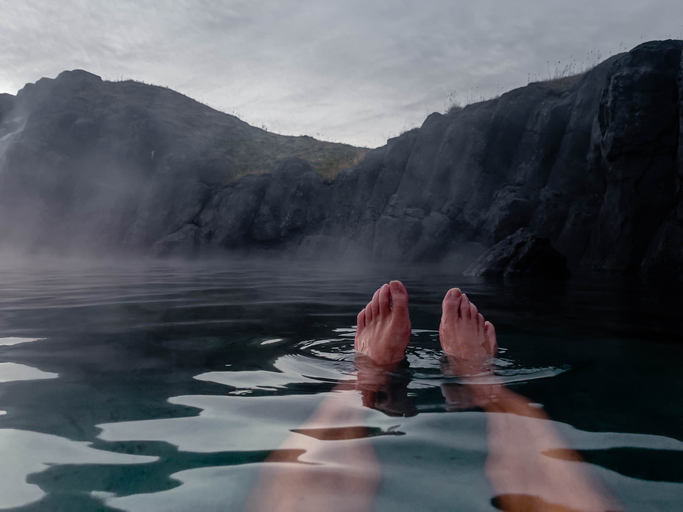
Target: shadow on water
144,348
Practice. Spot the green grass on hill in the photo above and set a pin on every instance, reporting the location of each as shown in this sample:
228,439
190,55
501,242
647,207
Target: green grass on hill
202,130
264,153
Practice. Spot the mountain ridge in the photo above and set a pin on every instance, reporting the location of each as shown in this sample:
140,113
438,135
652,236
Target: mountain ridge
592,163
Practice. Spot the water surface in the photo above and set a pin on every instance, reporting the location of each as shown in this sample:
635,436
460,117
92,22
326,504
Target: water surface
162,386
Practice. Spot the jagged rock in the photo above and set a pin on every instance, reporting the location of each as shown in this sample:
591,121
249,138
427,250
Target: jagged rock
289,203
637,135
107,167
521,254
227,218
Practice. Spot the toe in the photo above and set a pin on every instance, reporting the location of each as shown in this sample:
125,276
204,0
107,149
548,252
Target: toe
384,300
474,312
360,325
451,304
465,311
368,313
399,297
375,304
490,335
360,322
454,293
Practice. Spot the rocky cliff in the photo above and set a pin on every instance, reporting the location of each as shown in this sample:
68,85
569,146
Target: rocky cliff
88,165
593,163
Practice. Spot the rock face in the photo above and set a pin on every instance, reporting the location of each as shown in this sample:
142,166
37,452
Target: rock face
88,165
593,163
521,254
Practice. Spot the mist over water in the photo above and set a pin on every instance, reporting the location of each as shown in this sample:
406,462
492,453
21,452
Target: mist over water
136,385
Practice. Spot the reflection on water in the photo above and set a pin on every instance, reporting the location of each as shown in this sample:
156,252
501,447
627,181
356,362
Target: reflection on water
167,387
10,372
25,453
7,342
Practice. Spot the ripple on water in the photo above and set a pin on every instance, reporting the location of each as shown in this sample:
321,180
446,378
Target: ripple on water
329,349
425,358
289,370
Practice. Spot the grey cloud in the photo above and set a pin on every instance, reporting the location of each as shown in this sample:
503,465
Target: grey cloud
351,70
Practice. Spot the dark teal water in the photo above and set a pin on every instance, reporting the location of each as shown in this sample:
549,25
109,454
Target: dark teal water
164,387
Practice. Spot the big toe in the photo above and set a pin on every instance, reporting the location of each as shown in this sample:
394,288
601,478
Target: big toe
451,303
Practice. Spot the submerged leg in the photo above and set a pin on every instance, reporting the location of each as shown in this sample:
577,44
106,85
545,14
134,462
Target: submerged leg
531,467
327,464
332,465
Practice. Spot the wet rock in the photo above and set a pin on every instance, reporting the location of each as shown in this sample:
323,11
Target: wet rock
521,254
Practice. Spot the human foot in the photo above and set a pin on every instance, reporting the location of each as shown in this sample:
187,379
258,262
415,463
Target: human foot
466,337
383,327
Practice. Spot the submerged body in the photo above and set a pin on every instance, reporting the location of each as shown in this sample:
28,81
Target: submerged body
524,478
159,387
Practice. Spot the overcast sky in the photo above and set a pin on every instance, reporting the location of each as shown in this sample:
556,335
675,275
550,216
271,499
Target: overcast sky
355,71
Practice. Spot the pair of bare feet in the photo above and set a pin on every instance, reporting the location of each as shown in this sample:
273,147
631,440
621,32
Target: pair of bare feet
383,329
520,437
524,477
